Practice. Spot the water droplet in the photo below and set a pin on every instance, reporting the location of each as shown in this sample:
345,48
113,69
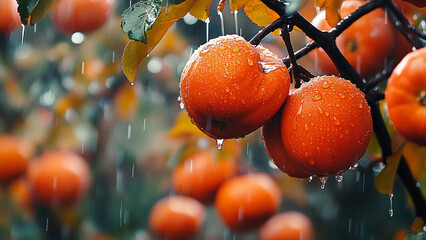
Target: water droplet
327,114
221,22
337,105
326,85
306,127
180,103
320,110
207,21
250,62
317,97
323,181
310,178
311,162
341,96
219,143
132,83
391,205
336,121
236,21
227,89
339,178
360,105
236,50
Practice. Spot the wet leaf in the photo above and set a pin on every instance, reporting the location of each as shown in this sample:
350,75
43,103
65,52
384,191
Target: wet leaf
139,18
417,236
332,8
200,10
32,10
184,128
221,5
385,180
237,4
416,159
374,147
259,13
135,52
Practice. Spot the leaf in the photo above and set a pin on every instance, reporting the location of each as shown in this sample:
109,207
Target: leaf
200,10
139,18
374,147
417,225
332,8
32,10
237,4
184,128
135,52
259,13
221,5
385,180
416,159
417,236
25,8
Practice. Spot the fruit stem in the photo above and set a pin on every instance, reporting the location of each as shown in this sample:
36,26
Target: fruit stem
422,98
267,30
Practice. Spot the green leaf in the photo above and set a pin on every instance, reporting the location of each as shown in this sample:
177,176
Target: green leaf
25,8
32,10
139,18
135,52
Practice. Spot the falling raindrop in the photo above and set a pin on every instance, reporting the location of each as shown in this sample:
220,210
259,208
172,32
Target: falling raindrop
23,33
272,164
77,38
180,103
339,178
82,147
129,131
240,214
47,225
113,56
132,83
207,29
133,170
144,124
219,143
391,205
35,27
310,178
222,25
82,68
323,181
236,21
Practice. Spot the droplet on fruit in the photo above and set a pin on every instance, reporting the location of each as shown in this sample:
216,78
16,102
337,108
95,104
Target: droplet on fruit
336,121
360,105
180,102
326,85
339,178
236,50
317,97
341,96
250,62
219,143
268,67
323,181
311,162
310,178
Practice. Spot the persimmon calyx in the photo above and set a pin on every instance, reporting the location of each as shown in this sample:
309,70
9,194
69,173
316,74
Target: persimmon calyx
422,98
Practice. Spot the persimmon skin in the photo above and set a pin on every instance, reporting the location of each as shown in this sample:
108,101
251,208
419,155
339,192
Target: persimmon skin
200,175
365,44
176,218
15,153
417,3
405,96
59,178
289,226
69,16
245,202
326,126
9,16
230,88
273,143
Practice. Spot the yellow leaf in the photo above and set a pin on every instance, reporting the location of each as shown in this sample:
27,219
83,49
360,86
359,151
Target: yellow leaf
126,101
183,127
135,52
200,9
320,3
332,14
259,13
237,4
416,159
385,180
374,147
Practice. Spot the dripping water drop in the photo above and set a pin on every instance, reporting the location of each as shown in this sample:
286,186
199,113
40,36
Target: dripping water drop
23,33
323,181
339,178
207,29
180,103
219,143
391,205
222,25
236,21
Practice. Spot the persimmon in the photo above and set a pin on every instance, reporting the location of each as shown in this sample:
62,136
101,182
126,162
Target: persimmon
69,16
59,178
417,3
15,153
176,217
289,226
230,88
245,202
326,126
366,44
200,175
9,16
406,97
273,143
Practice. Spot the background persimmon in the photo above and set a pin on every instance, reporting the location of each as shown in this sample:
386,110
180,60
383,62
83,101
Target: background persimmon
59,178
230,88
326,125
365,44
70,16
246,202
9,16
406,97
289,226
417,3
15,153
200,175
176,217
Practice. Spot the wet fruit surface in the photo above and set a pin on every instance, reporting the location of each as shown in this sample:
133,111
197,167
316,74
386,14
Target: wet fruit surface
246,202
288,226
406,97
9,16
326,126
176,217
230,88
